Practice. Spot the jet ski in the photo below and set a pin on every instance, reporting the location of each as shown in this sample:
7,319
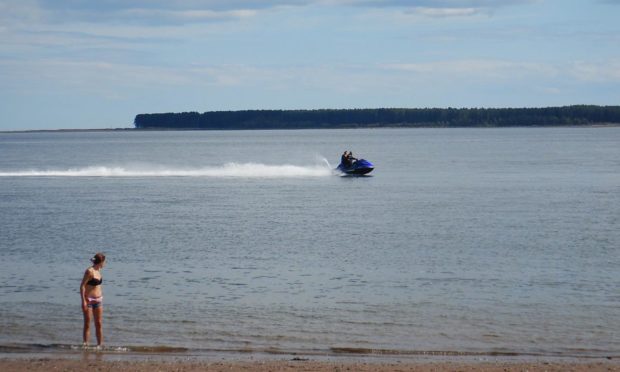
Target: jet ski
357,168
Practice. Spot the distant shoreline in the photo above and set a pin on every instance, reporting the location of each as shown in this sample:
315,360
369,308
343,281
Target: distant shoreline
67,130
598,125
367,118
575,115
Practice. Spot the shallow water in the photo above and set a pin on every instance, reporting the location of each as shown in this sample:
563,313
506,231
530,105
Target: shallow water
462,241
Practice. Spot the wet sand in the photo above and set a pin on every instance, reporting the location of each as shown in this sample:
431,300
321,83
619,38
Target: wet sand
45,365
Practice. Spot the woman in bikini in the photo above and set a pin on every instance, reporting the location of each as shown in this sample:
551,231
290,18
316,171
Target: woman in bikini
92,298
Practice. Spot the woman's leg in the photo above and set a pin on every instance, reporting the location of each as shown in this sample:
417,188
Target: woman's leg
98,314
86,332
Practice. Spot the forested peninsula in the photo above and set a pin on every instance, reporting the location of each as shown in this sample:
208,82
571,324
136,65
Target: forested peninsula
383,117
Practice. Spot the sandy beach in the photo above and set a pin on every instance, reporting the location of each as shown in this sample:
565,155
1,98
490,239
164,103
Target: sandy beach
45,364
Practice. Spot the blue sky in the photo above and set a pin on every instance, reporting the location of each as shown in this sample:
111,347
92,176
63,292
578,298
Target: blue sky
96,64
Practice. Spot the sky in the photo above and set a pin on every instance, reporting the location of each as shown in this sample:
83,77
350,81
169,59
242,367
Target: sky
81,64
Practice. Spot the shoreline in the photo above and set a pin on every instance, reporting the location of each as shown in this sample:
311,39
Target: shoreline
169,352
597,125
161,353
89,361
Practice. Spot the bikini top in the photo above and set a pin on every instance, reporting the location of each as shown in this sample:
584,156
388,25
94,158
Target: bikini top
95,282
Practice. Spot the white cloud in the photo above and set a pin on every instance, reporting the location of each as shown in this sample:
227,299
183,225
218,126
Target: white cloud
444,12
189,11
134,11
501,70
26,11
101,77
476,69
186,16
595,72
425,3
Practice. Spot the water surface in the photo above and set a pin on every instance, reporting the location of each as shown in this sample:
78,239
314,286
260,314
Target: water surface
462,241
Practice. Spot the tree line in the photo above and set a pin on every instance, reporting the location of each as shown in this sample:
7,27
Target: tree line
382,117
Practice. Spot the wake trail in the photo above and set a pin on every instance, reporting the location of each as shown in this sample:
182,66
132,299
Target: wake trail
229,170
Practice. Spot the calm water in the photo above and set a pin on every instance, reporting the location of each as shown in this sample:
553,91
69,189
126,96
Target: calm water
463,240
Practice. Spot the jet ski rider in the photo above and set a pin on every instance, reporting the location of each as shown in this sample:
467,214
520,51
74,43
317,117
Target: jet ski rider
344,159
347,159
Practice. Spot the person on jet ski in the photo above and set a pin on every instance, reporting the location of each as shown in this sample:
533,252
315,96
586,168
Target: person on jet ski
351,159
344,159
347,159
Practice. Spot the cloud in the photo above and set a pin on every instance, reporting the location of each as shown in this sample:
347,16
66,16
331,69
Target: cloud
105,78
198,11
444,12
430,8
184,16
595,72
26,11
428,4
476,69
130,11
503,70
441,8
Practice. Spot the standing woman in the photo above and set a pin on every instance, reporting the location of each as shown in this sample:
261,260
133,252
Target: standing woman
92,298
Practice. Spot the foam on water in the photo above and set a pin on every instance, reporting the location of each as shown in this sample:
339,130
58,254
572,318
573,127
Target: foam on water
238,170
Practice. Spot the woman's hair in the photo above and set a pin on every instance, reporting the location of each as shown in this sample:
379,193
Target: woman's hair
99,258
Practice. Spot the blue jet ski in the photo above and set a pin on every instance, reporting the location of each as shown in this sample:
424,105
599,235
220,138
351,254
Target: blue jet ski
358,167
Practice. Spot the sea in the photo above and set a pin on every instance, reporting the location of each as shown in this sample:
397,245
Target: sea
465,242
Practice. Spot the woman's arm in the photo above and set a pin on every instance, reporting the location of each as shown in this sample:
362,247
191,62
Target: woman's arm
85,279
